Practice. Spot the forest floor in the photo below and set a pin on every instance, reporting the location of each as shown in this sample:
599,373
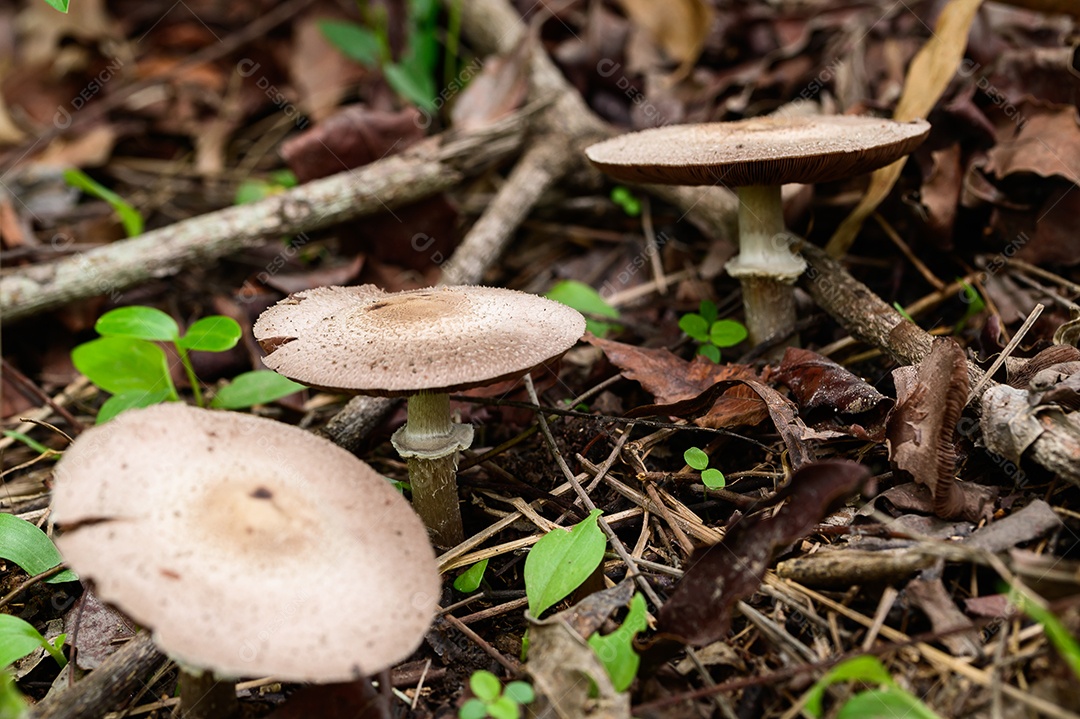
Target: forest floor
893,489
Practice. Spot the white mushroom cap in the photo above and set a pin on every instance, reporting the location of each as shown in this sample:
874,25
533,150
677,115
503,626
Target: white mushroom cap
249,546
758,151
362,340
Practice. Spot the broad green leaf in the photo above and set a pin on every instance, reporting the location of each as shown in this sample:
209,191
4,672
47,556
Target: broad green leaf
13,704
584,298
29,547
521,692
412,84
120,364
253,190
473,709
713,479
696,326
129,216
885,703
616,650
216,333
259,386
695,458
727,333
707,309
504,708
135,399
61,5
485,685
353,41
469,580
561,561
711,352
863,668
18,638
137,322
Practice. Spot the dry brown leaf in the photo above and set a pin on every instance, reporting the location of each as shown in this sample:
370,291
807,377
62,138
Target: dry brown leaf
679,27
498,90
927,77
320,72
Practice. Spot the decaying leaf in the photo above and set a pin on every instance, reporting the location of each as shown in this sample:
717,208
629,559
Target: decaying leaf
927,77
498,90
699,611
930,398
1047,144
680,27
570,680
832,397
671,379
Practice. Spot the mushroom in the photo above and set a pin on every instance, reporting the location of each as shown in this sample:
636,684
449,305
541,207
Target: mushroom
756,157
421,344
236,539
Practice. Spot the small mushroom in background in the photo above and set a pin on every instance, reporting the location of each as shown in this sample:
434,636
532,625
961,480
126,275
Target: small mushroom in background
756,157
249,547
420,344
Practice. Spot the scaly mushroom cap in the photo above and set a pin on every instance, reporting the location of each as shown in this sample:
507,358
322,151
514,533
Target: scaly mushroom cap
366,341
250,547
758,151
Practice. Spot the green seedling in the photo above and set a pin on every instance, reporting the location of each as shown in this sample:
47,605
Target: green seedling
469,581
587,301
616,650
255,189
13,704
624,198
412,76
903,313
712,333
1064,642
697,459
888,700
975,305
491,699
130,218
31,443
27,546
62,6
18,638
561,562
126,362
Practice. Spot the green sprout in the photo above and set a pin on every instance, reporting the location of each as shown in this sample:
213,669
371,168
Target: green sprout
624,198
491,699
697,459
975,305
129,216
587,301
126,362
889,699
711,332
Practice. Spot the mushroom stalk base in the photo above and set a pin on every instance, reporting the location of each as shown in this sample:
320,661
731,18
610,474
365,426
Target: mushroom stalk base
205,697
430,442
778,298
435,498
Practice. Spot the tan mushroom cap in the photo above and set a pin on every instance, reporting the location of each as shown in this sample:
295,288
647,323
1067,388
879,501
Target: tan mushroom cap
365,341
758,151
250,547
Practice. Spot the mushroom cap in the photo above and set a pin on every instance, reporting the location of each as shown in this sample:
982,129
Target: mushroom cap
366,341
758,151
249,547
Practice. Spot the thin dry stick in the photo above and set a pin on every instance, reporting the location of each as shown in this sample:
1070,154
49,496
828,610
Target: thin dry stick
613,538
511,666
919,265
977,389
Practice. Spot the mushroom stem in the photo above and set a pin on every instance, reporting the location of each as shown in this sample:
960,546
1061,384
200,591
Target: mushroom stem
766,267
203,696
430,441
